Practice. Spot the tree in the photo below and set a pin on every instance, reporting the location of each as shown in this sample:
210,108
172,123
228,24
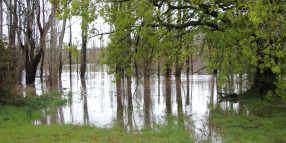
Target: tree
63,14
133,41
32,53
85,9
5,76
244,31
244,36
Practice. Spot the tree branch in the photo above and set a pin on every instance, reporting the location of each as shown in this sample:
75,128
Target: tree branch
100,34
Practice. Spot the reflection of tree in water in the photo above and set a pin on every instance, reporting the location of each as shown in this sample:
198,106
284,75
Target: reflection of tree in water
61,108
179,101
168,97
158,86
85,108
147,101
188,91
70,101
130,104
119,114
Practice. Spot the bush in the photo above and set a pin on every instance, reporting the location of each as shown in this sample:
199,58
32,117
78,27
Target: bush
7,62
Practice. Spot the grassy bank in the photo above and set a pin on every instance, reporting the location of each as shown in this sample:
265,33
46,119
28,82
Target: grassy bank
15,126
257,121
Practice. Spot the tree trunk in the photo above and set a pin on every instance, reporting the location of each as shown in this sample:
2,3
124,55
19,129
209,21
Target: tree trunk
129,102
70,54
32,54
20,60
43,54
31,65
264,82
61,47
179,40
42,65
119,113
188,65
30,73
192,64
1,19
53,72
43,32
83,50
83,58
168,70
147,102
178,67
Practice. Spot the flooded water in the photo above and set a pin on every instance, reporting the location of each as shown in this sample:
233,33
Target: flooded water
158,100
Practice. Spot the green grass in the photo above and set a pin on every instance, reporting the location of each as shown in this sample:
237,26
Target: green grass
73,133
15,126
265,123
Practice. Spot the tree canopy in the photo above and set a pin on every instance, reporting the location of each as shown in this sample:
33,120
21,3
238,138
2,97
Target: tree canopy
240,37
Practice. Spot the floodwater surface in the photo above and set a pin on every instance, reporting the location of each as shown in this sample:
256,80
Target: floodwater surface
156,100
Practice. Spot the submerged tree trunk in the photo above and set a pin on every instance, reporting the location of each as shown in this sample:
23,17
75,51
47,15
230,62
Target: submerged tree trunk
44,51
42,65
119,113
147,102
70,54
83,50
83,58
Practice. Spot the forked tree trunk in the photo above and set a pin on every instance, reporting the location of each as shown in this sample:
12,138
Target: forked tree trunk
31,65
